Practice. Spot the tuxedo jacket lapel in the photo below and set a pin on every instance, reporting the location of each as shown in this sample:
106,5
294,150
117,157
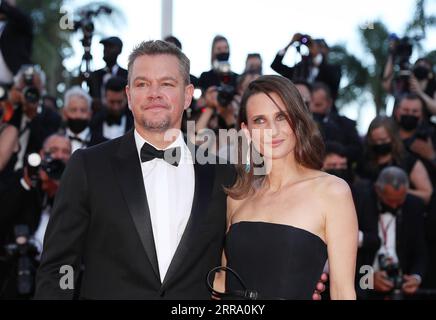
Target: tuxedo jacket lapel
126,165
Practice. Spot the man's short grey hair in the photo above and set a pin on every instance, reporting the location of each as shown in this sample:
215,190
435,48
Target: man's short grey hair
392,176
158,47
77,91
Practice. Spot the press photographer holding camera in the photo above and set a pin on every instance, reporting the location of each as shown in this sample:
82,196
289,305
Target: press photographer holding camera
27,203
33,121
401,77
313,67
400,261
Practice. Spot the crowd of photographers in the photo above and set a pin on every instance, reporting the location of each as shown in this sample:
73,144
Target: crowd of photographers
391,170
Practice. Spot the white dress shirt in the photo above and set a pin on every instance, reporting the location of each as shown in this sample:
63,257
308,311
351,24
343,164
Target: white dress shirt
387,235
170,193
114,131
85,136
23,140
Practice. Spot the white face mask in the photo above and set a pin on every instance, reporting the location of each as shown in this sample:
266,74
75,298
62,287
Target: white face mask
318,59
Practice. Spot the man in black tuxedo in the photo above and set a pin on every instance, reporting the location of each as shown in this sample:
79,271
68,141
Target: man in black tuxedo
112,49
16,37
115,119
398,218
142,228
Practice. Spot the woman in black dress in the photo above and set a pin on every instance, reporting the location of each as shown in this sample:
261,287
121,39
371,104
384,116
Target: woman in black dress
285,216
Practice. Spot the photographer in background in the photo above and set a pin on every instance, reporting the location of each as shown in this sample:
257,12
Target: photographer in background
313,67
401,259
33,121
27,202
16,37
400,77
221,73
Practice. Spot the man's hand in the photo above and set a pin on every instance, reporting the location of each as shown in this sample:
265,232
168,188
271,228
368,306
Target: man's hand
415,87
411,284
320,287
423,148
381,282
210,97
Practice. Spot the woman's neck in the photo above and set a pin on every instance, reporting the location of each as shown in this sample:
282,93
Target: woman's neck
283,171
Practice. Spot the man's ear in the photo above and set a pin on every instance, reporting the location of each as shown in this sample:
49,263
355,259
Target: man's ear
189,92
128,97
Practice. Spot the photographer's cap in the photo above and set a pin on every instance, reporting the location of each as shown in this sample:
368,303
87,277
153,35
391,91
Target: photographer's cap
112,40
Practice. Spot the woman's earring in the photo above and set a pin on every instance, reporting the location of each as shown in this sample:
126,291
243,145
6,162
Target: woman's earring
247,164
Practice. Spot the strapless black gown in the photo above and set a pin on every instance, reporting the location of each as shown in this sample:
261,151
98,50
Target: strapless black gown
278,261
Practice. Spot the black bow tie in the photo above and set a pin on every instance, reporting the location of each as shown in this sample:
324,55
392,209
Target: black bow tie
172,155
74,138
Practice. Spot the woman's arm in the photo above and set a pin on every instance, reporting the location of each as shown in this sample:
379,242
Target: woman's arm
342,239
420,180
8,144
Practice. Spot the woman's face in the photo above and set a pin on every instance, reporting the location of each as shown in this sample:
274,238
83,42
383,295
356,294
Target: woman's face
380,136
268,127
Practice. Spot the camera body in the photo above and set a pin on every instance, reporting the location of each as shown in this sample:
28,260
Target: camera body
226,93
30,92
22,255
395,275
53,167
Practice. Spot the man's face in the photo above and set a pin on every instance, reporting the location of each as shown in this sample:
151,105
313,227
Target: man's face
305,93
110,53
335,162
412,107
157,93
116,101
58,147
320,102
220,47
392,197
77,108
253,64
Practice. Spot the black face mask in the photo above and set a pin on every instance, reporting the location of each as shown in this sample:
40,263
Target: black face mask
223,56
421,72
409,122
385,208
318,117
382,149
341,173
77,125
110,60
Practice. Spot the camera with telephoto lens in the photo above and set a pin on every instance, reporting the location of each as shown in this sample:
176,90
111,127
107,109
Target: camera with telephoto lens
53,167
21,255
395,275
225,95
30,92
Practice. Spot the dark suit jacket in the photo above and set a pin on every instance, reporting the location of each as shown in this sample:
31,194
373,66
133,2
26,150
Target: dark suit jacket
411,246
99,118
96,81
16,39
101,219
343,130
